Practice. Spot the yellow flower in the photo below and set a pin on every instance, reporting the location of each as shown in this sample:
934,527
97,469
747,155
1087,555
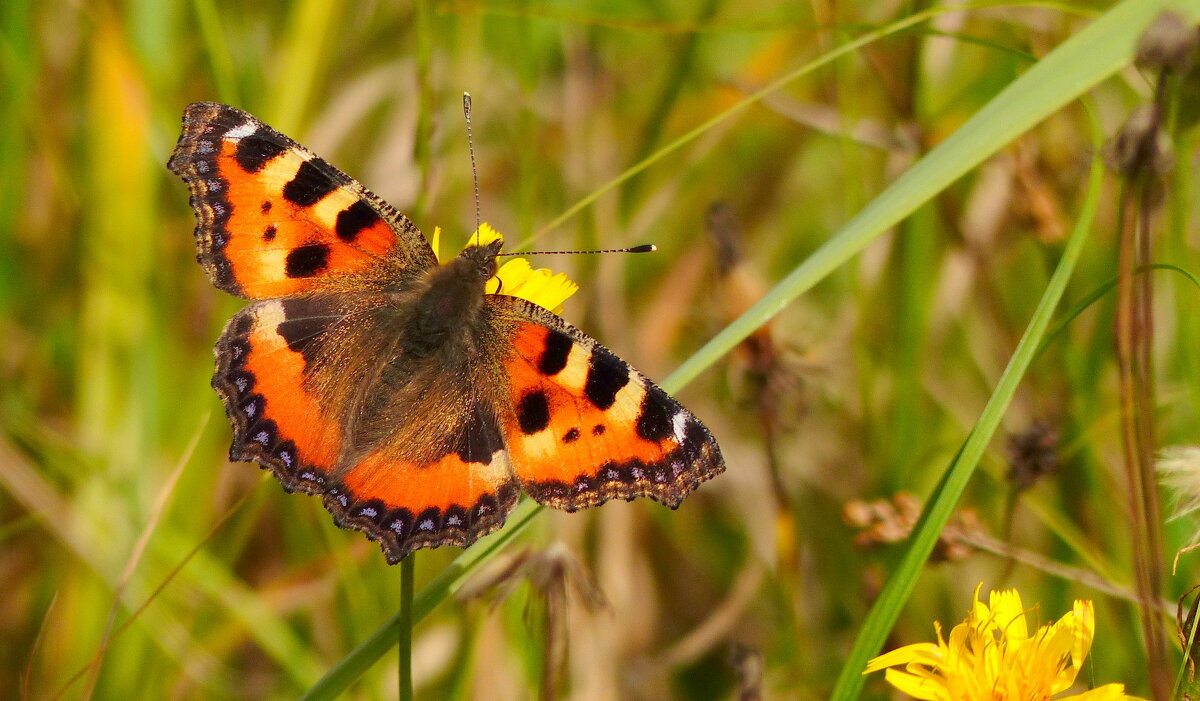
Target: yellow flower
992,657
517,278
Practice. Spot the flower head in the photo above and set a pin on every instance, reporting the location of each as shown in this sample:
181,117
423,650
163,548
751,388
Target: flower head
991,656
517,278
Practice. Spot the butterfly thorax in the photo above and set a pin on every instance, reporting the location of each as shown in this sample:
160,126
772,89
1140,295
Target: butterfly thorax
451,301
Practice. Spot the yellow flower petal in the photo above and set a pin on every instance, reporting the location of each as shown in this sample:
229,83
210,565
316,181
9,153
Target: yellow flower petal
484,235
1104,693
902,655
1009,615
918,687
992,655
517,278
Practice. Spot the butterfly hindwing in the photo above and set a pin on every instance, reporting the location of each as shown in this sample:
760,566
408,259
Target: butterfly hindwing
585,427
451,499
275,220
286,369
264,374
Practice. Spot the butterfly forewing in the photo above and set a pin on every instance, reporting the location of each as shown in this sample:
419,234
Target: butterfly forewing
275,220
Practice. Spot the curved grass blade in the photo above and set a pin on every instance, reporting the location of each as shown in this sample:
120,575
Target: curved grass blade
1098,51
355,664
945,495
1061,325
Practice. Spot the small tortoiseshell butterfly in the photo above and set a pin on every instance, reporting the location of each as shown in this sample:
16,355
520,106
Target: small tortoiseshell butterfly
417,405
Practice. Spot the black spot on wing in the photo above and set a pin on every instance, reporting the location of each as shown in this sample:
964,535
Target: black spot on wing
269,233
307,260
265,207
598,430
607,374
353,219
654,419
571,436
242,324
303,322
533,412
479,438
311,183
254,152
554,356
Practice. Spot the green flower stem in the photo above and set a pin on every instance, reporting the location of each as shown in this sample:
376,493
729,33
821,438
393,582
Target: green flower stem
356,663
408,568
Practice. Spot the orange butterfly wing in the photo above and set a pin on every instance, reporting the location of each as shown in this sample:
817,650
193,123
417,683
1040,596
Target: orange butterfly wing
585,427
282,368
453,499
275,220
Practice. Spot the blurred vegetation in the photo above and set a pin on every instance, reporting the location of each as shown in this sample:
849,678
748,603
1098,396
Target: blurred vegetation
136,562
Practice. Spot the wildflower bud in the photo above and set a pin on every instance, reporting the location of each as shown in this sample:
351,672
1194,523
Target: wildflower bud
1140,147
1169,43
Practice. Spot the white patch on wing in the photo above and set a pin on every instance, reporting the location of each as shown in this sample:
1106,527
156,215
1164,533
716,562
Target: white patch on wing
241,131
679,426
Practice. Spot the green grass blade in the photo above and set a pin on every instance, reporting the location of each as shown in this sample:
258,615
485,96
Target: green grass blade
1092,297
220,60
1097,52
404,625
945,497
353,665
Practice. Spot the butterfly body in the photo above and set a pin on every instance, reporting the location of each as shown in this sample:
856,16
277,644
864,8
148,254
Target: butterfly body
416,405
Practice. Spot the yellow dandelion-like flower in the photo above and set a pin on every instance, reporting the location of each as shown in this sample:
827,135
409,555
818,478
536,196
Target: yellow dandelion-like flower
517,278
991,656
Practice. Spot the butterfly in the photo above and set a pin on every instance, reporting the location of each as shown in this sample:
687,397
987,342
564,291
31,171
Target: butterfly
416,404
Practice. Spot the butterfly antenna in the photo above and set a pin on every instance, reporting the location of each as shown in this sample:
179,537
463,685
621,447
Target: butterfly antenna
474,170
644,248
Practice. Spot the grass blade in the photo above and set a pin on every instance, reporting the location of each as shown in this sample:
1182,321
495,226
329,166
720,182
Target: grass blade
945,496
1097,52
353,665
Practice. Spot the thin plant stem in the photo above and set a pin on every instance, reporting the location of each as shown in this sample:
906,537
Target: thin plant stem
408,569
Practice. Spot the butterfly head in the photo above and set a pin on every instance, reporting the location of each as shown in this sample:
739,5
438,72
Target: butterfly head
479,261
516,278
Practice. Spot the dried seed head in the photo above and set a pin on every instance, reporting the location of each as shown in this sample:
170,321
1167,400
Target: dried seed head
1169,43
1032,455
725,231
1140,147
883,522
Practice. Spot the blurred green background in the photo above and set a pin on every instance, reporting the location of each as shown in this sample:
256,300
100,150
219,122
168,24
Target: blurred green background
115,489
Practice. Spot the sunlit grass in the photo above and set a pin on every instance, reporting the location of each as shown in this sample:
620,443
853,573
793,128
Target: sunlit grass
916,202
